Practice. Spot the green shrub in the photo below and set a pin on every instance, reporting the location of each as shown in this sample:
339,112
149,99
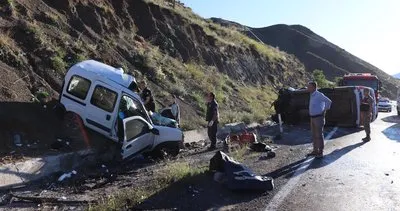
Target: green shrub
259,118
58,64
321,80
247,118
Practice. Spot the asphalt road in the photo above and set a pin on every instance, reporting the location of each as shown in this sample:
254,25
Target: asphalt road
352,176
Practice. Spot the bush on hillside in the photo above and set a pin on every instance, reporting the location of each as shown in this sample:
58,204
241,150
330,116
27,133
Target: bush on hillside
319,77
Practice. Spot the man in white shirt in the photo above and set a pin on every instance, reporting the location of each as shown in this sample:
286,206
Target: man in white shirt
319,104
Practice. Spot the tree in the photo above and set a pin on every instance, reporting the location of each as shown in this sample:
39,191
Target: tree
321,80
338,80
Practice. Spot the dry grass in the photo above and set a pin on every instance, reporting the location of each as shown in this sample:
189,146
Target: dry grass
6,41
224,35
239,153
130,197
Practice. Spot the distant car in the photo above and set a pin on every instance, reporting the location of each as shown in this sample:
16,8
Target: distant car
384,105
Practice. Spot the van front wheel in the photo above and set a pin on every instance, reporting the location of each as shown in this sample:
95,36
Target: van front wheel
167,150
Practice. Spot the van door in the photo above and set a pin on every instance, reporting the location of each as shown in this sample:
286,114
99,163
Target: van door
138,136
99,112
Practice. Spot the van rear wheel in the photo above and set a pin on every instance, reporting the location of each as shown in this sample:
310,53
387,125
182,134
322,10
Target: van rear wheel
72,124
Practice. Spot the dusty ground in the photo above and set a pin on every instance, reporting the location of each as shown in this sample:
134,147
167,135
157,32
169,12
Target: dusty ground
98,181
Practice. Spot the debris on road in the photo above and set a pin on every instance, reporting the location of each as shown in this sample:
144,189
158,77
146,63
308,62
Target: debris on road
260,147
5,199
67,175
243,138
196,145
17,140
236,176
12,198
60,144
270,154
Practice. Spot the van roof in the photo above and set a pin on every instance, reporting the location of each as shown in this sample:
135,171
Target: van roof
115,74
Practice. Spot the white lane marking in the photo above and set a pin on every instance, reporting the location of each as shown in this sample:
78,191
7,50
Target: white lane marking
289,186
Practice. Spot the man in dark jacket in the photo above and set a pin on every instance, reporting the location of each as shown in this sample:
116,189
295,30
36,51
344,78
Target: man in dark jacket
212,118
147,97
366,113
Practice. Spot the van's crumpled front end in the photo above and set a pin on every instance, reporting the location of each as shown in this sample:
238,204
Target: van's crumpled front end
168,134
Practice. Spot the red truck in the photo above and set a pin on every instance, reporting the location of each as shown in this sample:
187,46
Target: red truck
362,79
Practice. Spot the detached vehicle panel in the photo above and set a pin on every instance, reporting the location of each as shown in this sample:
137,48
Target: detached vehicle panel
104,99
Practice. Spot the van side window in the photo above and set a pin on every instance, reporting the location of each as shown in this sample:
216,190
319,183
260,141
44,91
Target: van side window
78,87
104,98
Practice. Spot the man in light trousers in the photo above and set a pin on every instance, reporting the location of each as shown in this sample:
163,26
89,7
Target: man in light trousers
319,104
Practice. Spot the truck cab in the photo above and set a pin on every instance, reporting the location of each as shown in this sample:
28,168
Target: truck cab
104,99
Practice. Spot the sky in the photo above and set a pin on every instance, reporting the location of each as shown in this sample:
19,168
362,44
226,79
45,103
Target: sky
369,29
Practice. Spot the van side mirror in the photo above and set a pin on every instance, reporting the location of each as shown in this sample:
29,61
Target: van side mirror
155,131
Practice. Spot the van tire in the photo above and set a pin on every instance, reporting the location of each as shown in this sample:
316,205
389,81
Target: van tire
167,150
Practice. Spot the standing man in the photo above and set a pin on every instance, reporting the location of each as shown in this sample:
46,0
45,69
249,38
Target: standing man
147,97
212,119
319,104
366,111
175,110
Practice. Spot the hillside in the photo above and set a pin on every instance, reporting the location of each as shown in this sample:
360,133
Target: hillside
177,51
316,52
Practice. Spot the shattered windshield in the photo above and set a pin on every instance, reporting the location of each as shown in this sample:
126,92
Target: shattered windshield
133,108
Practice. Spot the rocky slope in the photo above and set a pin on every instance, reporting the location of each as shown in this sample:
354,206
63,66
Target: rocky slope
176,50
316,52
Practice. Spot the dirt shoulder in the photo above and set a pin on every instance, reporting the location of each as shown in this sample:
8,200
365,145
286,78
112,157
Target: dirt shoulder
183,184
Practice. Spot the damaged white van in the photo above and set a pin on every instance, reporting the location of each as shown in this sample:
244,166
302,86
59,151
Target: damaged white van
104,98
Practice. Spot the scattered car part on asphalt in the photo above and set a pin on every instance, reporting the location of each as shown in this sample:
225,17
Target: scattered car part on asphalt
260,147
67,175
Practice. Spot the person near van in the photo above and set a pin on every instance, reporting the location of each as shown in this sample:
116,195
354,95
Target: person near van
212,118
147,97
366,112
122,114
319,104
175,110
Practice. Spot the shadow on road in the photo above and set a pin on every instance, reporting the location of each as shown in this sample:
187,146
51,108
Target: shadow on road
392,119
393,132
333,156
290,169
301,134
